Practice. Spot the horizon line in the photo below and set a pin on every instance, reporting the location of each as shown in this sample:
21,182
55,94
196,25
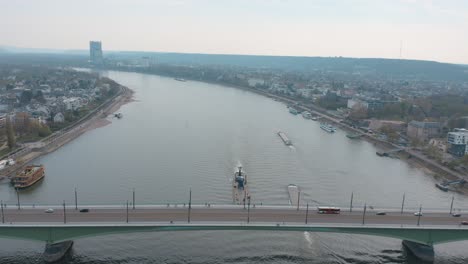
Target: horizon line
57,50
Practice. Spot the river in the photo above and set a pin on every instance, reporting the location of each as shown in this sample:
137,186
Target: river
178,136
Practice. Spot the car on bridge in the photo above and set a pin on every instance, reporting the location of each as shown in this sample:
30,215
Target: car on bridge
456,214
464,223
418,214
381,213
84,210
49,211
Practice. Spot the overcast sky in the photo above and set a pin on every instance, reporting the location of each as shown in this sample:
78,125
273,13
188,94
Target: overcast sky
428,29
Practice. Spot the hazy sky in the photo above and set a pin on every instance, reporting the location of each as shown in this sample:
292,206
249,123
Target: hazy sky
428,29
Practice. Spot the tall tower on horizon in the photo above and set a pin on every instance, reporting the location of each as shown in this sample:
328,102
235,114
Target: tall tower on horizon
95,52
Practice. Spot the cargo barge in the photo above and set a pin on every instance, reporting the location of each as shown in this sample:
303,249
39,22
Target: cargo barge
285,139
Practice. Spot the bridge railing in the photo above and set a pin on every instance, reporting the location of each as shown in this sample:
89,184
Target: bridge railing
369,208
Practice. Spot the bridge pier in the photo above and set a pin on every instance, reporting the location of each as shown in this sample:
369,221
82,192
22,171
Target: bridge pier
57,251
420,251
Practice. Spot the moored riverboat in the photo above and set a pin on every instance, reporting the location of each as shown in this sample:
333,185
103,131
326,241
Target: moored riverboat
30,175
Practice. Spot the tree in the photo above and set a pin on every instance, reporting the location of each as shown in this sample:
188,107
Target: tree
391,133
26,96
358,112
433,152
10,134
44,131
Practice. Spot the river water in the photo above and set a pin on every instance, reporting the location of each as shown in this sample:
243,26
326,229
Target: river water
182,135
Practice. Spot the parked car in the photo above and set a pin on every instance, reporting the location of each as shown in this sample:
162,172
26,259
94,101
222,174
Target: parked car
50,210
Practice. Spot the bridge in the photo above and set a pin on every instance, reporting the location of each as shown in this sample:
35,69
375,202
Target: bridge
67,223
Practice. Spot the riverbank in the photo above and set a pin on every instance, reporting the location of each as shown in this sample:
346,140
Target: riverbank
97,118
414,159
421,162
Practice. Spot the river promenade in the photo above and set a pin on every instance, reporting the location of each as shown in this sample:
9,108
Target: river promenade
96,118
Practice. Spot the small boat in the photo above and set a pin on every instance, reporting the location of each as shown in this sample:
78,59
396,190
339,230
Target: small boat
6,162
442,187
306,115
180,79
293,111
327,127
28,176
293,191
315,118
118,115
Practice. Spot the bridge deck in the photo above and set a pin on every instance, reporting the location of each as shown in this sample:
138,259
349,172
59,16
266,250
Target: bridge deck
35,224
264,215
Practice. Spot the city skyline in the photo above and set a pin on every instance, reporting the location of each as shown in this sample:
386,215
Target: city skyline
408,29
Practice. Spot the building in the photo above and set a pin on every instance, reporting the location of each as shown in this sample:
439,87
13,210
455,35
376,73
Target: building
72,103
95,52
423,131
59,118
376,124
439,143
457,141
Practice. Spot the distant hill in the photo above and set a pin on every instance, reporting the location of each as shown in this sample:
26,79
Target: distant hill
390,68
405,69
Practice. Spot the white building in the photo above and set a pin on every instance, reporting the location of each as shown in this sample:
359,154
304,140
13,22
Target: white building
458,137
59,118
254,81
457,141
357,103
72,103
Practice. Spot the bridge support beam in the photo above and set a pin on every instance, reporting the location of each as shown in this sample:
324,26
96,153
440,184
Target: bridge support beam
420,251
57,251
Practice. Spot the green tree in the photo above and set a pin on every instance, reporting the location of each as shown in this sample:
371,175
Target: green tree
44,131
10,134
433,152
26,96
391,133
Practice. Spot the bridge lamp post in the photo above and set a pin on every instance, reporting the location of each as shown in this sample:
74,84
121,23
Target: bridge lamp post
248,210
403,203
419,213
307,212
351,202
76,200
64,213
364,214
17,198
189,205
3,216
451,205
298,200
127,211
133,199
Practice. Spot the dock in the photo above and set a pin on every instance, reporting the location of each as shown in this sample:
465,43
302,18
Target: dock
389,153
294,195
285,139
354,136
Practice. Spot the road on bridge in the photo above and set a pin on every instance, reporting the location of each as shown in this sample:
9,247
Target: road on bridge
203,214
